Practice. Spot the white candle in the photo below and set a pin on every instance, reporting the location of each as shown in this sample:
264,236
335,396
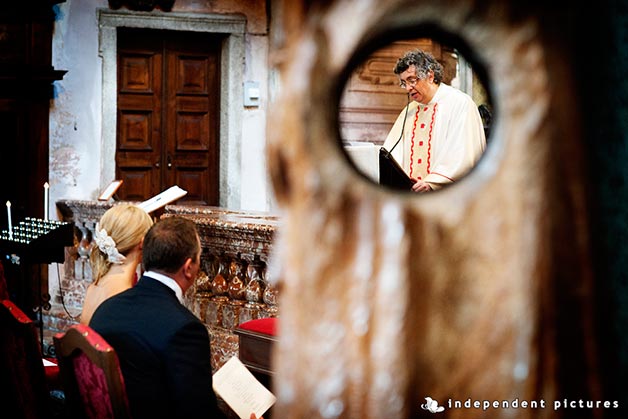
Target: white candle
9,218
46,190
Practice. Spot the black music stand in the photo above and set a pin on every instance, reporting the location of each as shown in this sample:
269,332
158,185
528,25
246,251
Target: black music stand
35,242
391,174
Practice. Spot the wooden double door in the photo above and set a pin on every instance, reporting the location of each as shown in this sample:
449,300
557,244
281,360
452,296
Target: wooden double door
168,114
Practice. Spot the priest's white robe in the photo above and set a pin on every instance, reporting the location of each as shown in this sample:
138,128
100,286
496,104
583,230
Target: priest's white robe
442,140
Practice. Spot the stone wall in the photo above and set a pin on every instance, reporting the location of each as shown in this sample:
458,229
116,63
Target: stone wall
233,286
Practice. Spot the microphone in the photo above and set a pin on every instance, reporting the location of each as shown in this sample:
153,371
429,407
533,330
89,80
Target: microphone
403,126
390,173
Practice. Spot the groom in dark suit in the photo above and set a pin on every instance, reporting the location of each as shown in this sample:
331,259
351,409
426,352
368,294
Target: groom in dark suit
163,348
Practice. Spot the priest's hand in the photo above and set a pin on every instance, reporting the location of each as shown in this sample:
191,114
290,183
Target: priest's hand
421,187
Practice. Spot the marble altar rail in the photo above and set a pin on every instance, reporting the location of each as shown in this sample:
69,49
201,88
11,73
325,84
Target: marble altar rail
233,286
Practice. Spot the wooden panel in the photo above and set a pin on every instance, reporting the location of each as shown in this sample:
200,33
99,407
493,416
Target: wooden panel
196,182
12,122
135,130
12,42
168,113
135,160
26,77
255,351
139,133
192,74
136,183
41,47
193,124
138,123
136,73
192,131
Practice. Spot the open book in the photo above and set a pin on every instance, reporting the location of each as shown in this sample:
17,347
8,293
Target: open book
110,190
169,195
235,384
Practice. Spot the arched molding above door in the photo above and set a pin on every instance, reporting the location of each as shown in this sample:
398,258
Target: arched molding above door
230,85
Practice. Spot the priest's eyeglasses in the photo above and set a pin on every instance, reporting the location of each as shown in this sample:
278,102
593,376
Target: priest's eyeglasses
412,81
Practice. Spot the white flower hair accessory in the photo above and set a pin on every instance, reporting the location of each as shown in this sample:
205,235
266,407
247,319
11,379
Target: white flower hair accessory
106,245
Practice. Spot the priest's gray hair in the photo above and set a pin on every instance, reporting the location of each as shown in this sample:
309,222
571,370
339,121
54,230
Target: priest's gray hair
423,62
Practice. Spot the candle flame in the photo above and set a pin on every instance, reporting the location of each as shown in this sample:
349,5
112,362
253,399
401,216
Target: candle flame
46,185
8,203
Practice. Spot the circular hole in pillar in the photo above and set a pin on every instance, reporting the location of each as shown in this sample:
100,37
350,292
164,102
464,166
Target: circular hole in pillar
442,139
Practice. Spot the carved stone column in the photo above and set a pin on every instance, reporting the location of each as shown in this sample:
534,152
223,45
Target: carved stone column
481,291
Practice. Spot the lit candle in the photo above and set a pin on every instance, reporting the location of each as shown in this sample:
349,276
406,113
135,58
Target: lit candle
46,190
9,218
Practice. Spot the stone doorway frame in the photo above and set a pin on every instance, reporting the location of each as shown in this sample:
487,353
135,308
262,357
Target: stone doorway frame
231,103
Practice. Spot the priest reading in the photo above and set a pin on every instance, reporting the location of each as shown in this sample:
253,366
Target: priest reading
439,136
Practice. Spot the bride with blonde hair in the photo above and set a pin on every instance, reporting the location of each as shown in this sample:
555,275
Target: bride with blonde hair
116,254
